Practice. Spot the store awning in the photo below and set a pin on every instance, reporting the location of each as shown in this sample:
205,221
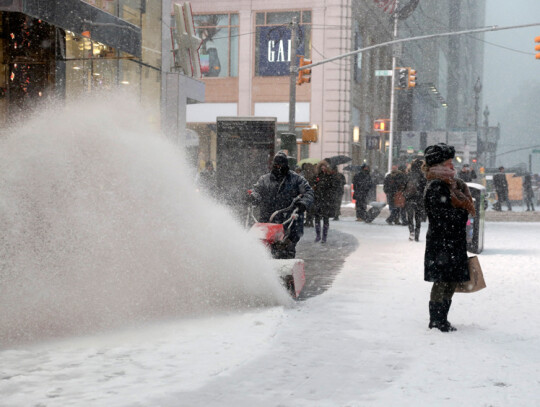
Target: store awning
78,17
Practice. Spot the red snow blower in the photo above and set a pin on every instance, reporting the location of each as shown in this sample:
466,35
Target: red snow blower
275,237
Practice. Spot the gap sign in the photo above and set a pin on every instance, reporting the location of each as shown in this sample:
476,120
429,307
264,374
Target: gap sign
275,50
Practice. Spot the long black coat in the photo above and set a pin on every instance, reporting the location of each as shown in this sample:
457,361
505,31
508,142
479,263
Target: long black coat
326,187
445,259
362,185
501,185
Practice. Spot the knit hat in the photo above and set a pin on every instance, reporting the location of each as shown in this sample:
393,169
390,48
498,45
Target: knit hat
438,153
281,159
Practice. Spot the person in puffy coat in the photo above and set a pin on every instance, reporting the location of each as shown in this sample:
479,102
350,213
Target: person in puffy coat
448,203
414,198
277,190
326,187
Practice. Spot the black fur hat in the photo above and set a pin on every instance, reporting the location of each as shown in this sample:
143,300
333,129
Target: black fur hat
438,153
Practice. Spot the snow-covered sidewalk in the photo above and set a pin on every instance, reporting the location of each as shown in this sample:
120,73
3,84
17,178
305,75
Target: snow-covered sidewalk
363,342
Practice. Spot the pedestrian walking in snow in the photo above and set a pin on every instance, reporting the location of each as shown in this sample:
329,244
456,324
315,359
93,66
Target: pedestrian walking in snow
448,203
528,193
308,172
340,191
467,174
402,210
362,184
414,198
501,186
325,188
393,182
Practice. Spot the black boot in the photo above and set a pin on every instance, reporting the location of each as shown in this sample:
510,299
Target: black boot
324,233
446,308
317,232
416,234
437,316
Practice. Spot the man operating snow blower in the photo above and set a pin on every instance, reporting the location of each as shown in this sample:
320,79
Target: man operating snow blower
277,190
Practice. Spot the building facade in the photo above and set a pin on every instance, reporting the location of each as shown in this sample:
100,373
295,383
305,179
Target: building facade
251,42
63,49
245,55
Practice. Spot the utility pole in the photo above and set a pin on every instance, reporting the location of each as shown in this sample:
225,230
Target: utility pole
393,91
293,71
480,147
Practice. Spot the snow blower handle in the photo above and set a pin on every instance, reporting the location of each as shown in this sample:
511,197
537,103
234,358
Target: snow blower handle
292,205
250,215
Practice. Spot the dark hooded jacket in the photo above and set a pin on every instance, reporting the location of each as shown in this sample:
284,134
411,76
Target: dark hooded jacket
446,245
271,193
362,183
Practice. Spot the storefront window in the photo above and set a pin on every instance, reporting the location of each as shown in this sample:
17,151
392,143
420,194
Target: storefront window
90,65
129,10
219,48
273,37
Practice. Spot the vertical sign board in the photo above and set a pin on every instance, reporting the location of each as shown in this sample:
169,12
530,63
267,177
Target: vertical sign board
275,50
244,152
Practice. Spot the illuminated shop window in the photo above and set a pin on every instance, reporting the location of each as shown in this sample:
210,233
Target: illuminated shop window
273,36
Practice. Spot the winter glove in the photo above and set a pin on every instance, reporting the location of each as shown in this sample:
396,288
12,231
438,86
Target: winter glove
301,207
249,198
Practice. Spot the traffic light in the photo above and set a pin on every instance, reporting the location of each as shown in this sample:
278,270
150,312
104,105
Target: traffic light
382,125
537,46
411,83
304,75
402,78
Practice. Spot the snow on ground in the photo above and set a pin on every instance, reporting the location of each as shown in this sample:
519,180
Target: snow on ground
363,342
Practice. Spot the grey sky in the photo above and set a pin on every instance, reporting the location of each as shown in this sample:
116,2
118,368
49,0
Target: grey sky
506,73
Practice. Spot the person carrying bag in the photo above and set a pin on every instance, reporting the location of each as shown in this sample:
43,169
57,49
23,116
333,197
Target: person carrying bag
447,203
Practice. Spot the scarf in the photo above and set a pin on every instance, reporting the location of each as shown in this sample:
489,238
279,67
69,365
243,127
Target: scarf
459,191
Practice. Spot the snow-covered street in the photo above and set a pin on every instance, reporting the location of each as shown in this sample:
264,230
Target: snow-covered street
362,342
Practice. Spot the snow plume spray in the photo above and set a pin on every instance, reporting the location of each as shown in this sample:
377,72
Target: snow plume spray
101,226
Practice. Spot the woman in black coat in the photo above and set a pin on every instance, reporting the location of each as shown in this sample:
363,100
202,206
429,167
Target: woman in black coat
414,198
448,203
325,187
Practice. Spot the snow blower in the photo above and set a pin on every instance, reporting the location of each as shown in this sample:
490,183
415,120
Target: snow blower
274,237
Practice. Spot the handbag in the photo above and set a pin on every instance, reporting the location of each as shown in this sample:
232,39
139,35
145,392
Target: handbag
476,282
399,199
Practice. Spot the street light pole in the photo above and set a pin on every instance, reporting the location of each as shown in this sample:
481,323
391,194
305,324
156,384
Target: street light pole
486,131
293,71
393,92
479,143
